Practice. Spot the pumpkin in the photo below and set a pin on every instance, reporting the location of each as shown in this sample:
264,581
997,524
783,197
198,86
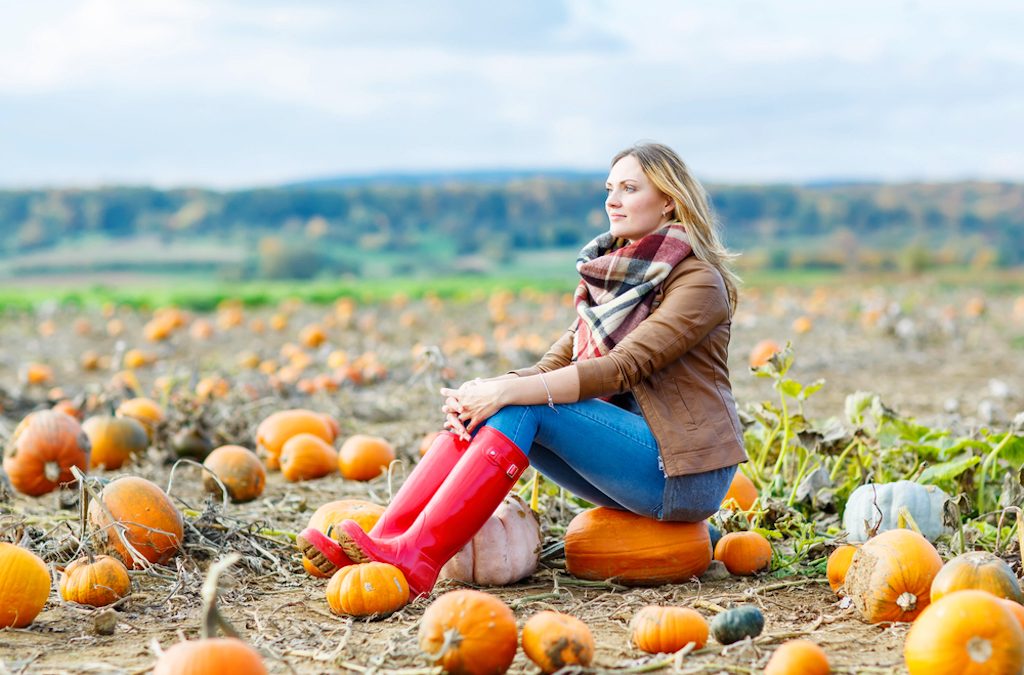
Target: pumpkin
1015,608
838,564
468,631
503,551
97,582
191,441
364,457
890,576
210,656
147,411
275,430
554,640
744,553
666,630
979,570
762,352
24,586
68,407
239,469
152,525
365,514
645,551
737,623
373,589
42,450
312,336
306,456
798,657
877,505
741,495
427,441
965,632
114,440
333,425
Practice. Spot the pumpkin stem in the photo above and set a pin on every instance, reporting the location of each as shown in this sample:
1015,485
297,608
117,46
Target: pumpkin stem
979,649
907,601
212,618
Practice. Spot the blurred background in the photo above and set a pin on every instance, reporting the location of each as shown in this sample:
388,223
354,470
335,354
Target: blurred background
185,142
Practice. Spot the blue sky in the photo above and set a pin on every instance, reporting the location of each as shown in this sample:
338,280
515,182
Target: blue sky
232,93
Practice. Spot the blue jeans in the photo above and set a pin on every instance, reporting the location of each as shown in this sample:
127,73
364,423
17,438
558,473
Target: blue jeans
609,457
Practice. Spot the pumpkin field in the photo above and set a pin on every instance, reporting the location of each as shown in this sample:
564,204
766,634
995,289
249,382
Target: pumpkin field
856,388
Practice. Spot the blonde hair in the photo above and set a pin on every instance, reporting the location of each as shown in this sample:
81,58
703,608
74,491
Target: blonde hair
669,174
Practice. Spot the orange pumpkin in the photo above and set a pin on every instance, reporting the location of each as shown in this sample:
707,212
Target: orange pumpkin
554,640
374,589
979,570
305,456
364,457
469,632
42,450
744,553
965,632
838,564
365,514
763,352
890,576
665,630
312,336
645,552
210,656
331,422
742,494
152,525
37,374
147,411
798,657
24,586
239,469
68,408
427,441
114,440
275,430
97,582
1015,608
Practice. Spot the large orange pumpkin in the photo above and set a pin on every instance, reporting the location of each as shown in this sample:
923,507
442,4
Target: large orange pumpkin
210,656
554,640
364,513
275,430
603,543
469,632
42,450
152,524
24,586
373,589
305,456
97,582
114,440
979,570
665,630
239,469
967,632
744,553
837,566
890,576
364,457
742,494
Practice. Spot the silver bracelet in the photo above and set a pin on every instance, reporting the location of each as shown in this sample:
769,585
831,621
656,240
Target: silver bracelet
551,401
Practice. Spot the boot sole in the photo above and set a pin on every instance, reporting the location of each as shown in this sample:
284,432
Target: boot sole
352,549
313,555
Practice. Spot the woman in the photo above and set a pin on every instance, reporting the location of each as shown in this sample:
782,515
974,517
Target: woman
630,409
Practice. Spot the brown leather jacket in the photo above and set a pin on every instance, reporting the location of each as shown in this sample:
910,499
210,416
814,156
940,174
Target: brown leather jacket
675,364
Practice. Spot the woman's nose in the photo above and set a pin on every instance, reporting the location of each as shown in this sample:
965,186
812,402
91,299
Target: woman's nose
612,199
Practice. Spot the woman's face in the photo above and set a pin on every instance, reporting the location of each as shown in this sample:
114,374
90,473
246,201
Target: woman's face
635,207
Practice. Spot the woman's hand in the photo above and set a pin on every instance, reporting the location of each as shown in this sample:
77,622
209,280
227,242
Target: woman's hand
469,406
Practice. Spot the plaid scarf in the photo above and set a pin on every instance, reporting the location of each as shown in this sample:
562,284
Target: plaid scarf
614,294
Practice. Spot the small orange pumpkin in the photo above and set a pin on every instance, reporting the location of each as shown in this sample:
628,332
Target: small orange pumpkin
838,564
239,469
364,513
966,631
469,632
647,552
24,586
979,570
68,408
798,657
554,640
152,525
147,411
763,352
42,450
210,656
305,456
744,553
665,630
364,457
374,589
276,429
97,582
742,494
890,576
114,440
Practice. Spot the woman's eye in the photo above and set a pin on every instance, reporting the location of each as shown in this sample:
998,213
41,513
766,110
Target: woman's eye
630,188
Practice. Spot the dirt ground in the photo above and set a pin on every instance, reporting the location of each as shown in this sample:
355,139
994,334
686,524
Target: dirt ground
927,352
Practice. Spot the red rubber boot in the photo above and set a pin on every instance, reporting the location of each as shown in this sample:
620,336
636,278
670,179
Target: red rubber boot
416,491
461,506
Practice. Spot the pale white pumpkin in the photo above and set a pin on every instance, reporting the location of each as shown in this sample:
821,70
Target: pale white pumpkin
505,550
923,502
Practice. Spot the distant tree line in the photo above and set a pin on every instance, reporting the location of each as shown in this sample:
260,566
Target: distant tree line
293,231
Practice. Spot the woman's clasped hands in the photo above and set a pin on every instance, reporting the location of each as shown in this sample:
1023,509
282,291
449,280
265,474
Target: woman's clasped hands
470,405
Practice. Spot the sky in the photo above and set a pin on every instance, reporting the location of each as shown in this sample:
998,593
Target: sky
239,93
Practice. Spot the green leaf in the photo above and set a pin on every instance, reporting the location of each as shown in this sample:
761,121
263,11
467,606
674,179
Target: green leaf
947,471
1013,451
810,389
790,388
